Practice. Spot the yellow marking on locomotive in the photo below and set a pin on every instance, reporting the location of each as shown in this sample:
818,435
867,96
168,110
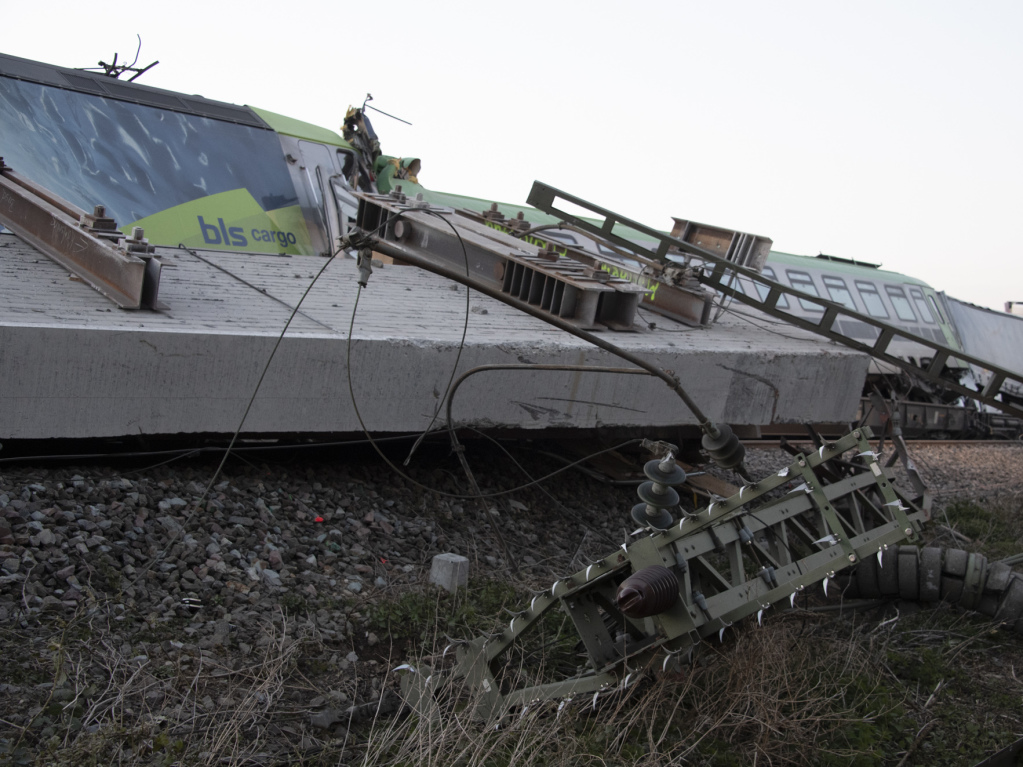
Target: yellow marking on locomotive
644,282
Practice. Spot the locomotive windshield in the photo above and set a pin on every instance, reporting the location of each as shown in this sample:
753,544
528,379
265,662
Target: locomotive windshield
183,177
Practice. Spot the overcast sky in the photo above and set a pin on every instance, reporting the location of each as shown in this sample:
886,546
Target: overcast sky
889,132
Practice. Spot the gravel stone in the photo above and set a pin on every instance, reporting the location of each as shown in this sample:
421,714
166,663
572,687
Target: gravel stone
175,585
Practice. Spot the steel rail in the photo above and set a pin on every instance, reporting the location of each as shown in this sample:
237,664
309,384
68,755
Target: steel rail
68,235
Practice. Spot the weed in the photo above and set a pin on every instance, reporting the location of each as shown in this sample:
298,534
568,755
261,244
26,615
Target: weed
293,604
418,616
994,527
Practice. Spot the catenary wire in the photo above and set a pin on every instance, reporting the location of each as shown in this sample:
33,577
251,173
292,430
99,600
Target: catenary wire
262,375
142,571
179,453
461,343
461,496
258,289
541,488
373,441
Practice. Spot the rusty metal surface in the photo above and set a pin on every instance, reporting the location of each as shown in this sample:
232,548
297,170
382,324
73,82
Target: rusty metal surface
722,279
749,250
586,296
58,229
664,291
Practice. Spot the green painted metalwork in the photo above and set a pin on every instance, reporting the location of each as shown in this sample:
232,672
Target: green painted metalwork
733,558
720,274
289,126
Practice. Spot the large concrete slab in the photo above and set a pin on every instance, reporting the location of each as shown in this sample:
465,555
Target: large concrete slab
72,365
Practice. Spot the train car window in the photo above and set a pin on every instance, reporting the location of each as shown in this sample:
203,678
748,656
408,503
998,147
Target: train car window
733,282
763,290
872,300
553,234
937,310
141,161
804,282
839,292
901,303
921,305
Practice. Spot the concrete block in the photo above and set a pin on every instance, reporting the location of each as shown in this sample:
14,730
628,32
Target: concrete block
449,571
63,354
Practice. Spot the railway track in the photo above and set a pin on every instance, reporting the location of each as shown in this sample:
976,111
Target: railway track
767,443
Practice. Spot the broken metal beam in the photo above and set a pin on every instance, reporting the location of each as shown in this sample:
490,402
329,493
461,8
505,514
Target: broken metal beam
584,295
723,277
87,245
650,602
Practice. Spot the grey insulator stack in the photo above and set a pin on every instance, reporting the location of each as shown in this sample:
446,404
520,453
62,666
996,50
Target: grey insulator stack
935,575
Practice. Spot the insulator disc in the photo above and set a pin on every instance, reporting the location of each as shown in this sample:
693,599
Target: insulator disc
651,591
726,450
674,477
664,500
660,520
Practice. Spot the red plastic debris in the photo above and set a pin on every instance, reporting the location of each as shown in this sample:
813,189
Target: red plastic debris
318,519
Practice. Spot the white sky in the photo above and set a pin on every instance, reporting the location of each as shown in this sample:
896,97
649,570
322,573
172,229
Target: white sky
889,132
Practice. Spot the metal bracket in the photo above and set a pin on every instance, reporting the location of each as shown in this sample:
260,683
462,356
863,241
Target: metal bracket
722,275
85,244
563,287
801,539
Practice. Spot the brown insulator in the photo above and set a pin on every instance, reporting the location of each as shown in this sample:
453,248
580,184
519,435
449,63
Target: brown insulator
651,591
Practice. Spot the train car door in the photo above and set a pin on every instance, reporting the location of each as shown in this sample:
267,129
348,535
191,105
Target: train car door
941,317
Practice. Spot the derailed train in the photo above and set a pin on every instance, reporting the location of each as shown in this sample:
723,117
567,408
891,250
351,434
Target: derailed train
212,175
922,409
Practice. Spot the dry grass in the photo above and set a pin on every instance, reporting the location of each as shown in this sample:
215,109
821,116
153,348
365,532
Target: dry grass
783,694
104,707
806,688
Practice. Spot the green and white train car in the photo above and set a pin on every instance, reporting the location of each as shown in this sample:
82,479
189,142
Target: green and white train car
212,175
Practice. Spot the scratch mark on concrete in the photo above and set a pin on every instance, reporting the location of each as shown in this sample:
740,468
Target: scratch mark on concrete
537,412
591,402
766,382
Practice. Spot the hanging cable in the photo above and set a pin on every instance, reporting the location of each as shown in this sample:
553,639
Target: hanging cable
718,440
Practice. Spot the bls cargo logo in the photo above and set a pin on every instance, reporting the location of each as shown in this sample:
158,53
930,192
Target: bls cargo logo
221,234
